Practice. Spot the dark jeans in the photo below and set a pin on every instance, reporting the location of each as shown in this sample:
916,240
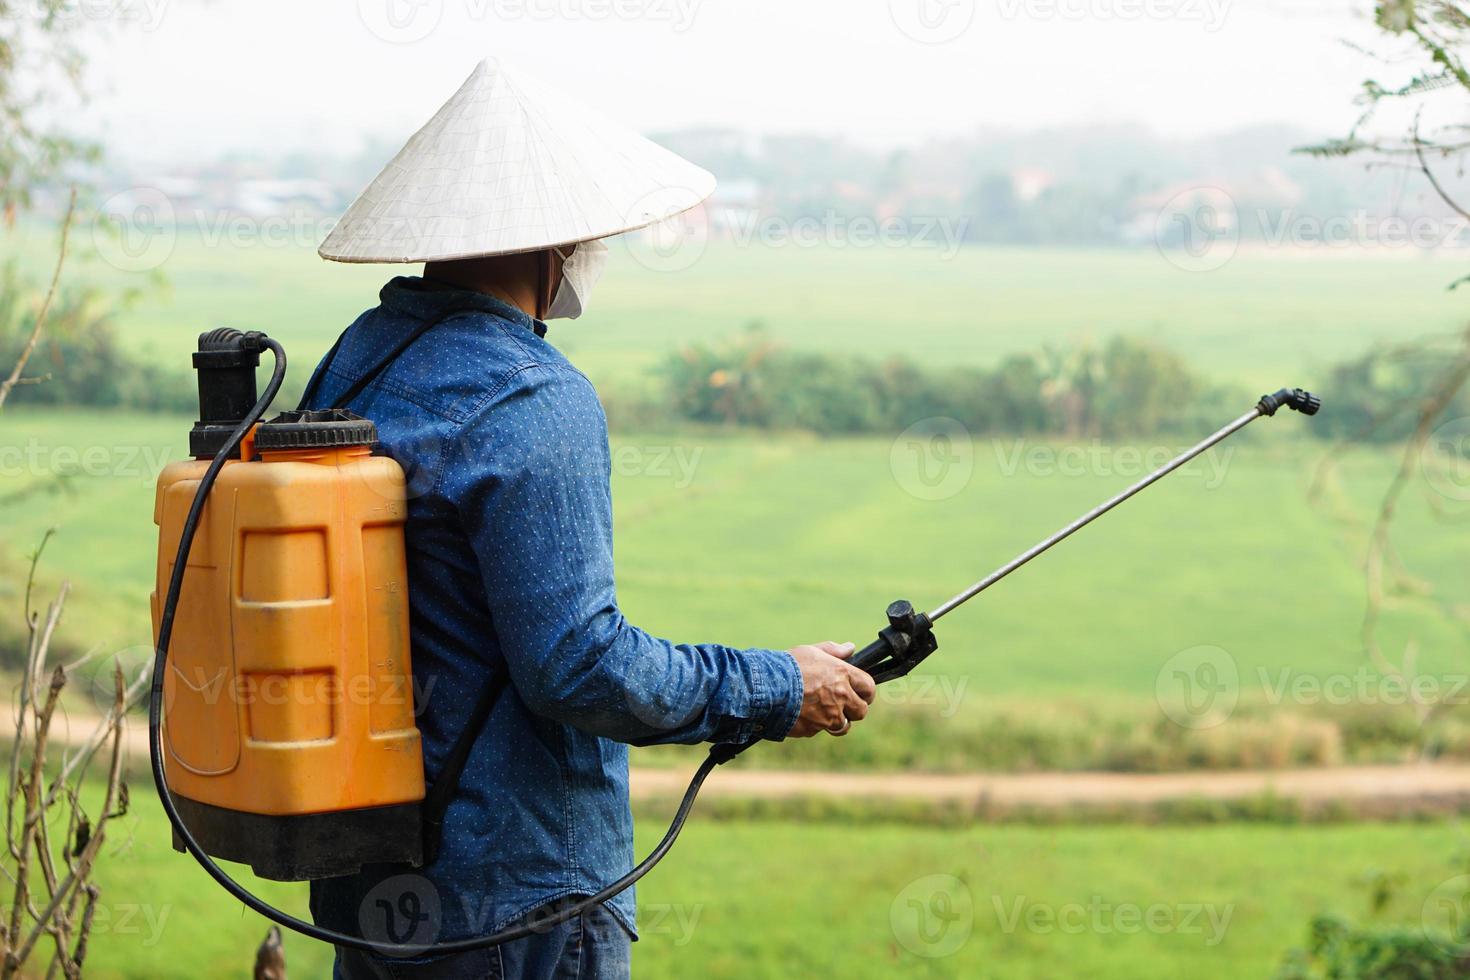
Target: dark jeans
593,946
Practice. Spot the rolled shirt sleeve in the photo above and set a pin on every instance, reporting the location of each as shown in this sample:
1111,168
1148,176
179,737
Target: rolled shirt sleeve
529,477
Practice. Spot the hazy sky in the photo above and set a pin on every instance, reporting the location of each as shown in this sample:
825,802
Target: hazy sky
187,79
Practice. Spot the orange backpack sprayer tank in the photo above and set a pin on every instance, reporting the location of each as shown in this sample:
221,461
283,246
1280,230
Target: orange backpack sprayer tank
290,741
281,619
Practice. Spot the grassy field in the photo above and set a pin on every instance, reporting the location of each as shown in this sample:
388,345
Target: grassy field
712,526
818,536
778,899
1264,317
774,539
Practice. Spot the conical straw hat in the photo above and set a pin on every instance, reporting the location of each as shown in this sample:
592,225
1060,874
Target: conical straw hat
510,165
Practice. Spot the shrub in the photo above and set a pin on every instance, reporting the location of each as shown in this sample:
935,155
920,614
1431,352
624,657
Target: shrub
1372,395
1129,388
1338,950
83,364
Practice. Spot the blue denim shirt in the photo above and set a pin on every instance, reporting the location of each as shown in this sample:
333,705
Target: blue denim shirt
510,568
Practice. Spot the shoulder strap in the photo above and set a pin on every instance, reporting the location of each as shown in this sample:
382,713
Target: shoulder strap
368,377
321,370
436,800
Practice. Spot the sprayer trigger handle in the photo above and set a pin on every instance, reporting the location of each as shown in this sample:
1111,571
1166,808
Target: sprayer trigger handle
901,645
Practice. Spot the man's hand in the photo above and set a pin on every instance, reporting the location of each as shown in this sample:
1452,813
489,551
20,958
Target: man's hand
833,694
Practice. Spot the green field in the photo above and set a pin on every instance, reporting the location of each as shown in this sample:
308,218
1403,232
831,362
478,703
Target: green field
775,539
819,536
778,899
1261,319
759,527
1232,555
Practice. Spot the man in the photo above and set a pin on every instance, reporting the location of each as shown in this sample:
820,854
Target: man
504,195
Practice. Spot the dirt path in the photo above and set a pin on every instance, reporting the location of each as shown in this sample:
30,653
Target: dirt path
1057,789
1040,789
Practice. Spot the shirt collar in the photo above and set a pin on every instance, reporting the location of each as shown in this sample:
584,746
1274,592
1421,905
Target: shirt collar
424,299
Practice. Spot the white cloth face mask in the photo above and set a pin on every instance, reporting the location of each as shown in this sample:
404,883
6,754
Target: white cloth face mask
579,273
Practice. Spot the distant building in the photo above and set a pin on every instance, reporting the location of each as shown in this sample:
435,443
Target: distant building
1029,183
264,197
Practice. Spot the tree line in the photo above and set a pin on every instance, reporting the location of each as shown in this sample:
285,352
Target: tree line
1122,388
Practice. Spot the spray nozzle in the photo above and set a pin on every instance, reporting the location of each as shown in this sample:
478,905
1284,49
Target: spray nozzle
1296,399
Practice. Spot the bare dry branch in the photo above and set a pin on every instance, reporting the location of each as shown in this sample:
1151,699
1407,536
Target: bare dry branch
79,875
27,844
1444,195
75,764
37,852
1380,546
45,311
79,955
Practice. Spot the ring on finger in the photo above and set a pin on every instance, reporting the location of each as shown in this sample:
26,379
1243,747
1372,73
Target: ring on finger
842,730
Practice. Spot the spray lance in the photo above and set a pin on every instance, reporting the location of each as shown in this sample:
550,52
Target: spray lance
276,469
909,636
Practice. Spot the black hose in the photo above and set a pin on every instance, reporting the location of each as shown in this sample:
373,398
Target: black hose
160,779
